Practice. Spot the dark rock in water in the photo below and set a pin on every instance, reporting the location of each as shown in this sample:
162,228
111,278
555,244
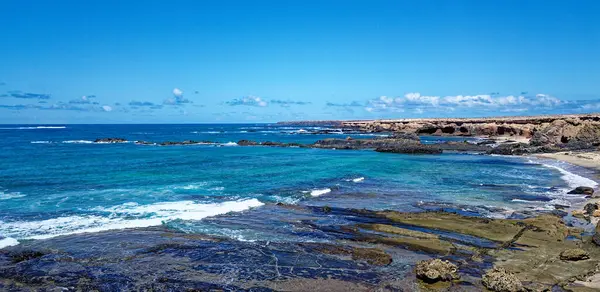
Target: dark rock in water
582,191
411,149
435,270
576,254
144,143
523,149
110,140
270,143
487,142
501,280
406,136
25,255
589,208
363,143
247,143
373,256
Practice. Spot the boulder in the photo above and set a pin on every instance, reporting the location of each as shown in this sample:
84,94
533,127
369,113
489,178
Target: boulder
582,191
501,280
590,208
435,270
576,254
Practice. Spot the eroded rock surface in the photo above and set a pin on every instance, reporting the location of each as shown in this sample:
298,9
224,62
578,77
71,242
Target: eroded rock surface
436,270
501,280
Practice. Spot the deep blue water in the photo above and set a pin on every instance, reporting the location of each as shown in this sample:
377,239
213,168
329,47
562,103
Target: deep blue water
54,181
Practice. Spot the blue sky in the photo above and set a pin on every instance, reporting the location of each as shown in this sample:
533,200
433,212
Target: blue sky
263,61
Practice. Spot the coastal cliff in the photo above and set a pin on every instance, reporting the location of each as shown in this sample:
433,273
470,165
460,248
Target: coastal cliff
548,129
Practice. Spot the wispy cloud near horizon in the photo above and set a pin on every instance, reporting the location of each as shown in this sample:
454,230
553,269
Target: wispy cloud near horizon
248,101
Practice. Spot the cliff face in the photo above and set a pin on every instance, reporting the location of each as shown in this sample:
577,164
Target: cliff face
541,130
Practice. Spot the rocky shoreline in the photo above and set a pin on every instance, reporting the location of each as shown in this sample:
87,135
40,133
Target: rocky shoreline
451,252
369,251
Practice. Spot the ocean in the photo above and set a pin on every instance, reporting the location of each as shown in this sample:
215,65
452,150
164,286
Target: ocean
54,180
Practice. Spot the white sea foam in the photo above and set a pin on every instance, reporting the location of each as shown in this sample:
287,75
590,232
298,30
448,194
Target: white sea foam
316,193
573,180
40,142
7,196
358,179
128,215
7,241
194,186
78,142
34,128
525,201
229,144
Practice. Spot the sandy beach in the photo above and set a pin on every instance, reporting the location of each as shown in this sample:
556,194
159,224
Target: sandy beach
584,159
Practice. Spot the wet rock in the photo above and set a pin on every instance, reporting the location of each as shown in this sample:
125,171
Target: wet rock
247,143
373,256
406,136
576,254
270,143
582,191
501,280
110,140
435,270
144,143
590,208
411,149
523,149
25,255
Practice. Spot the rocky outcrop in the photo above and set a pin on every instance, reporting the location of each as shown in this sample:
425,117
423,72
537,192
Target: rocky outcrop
582,191
350,143
110,140
411,149
434,270
501,280
522,149
247,143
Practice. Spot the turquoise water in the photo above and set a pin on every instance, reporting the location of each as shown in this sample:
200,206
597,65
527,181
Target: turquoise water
54,181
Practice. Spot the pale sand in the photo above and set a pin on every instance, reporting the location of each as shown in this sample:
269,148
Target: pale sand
584,159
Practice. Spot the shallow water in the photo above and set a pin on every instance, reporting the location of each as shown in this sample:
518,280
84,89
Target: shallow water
55,181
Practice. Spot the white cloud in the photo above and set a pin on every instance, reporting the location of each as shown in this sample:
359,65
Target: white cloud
249,101
177,92
414,100
177,98
107,108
